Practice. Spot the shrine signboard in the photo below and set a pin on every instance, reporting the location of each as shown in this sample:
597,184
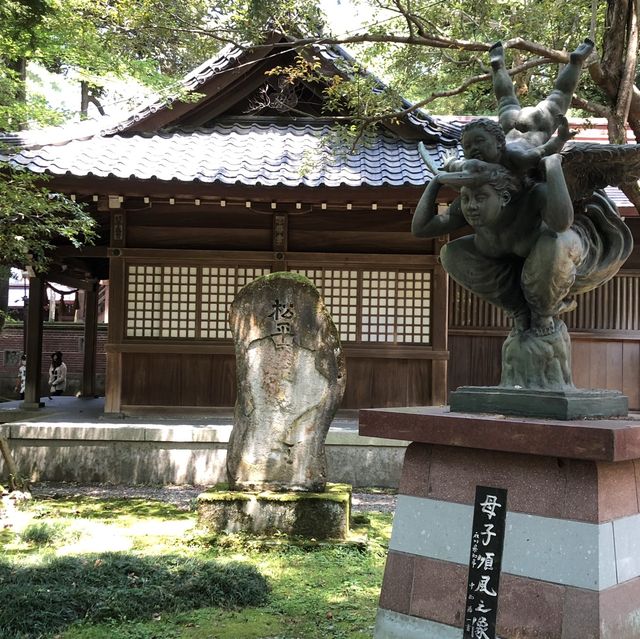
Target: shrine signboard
485,561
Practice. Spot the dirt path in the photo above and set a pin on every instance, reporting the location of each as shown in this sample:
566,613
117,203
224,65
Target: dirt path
182,496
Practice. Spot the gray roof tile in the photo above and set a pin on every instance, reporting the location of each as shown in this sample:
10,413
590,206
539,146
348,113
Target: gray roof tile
433,127
250,154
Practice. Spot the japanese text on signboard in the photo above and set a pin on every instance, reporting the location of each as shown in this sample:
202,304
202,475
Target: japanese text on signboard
487,541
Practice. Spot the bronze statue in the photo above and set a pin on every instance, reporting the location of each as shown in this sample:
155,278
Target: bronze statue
543,228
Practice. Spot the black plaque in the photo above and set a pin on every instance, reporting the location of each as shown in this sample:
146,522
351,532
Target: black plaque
485,561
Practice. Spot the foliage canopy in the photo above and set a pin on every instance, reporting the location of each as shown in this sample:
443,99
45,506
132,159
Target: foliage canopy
430,51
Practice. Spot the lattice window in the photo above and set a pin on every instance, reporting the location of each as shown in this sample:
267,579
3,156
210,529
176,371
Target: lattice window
219,287
189,302
396,306
377,306
339,290
413,307
144,301
161,301
179,295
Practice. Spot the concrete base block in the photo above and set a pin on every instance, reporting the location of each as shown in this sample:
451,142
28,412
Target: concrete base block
301,514
571,562
578,403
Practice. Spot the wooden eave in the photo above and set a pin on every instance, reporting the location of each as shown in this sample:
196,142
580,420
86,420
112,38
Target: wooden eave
90,185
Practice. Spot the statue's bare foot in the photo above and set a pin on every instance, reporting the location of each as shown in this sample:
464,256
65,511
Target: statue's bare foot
582,52
496,56
542,325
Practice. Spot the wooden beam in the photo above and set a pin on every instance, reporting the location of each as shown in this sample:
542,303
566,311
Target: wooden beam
90,343
179,256
83,251
113,383
357,195
60,277
439,327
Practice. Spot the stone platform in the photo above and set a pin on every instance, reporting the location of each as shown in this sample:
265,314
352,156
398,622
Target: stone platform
568,404
571,564
296,514
73,440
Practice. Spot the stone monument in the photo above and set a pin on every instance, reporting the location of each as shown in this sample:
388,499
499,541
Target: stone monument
543,231
290,379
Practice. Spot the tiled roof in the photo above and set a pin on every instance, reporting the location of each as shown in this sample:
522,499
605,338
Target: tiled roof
248,154
433,128
225,60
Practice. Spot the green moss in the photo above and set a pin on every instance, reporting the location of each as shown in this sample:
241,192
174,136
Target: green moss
230,495
338,493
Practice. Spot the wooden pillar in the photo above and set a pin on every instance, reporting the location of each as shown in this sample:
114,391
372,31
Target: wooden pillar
440,327
117,310
90,342
280,242
34,326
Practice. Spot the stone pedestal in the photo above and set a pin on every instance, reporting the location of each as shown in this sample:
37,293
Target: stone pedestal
571,564
569,403
297,514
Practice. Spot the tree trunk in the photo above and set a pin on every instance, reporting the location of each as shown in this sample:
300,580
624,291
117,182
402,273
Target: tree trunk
16,481
5,274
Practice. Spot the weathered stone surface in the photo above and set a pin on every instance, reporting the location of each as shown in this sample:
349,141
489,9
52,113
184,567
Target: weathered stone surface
568,404
317,515
291,378
538,361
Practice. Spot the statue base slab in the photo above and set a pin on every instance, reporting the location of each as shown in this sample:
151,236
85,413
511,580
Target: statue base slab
571,561
296,514
572,403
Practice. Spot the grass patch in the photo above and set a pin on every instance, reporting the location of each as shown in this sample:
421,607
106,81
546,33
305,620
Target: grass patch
43,533
176,582
114,587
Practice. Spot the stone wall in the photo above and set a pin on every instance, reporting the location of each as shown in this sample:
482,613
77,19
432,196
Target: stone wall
124,453
58,336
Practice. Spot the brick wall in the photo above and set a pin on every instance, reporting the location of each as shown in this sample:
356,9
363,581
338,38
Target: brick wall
65,337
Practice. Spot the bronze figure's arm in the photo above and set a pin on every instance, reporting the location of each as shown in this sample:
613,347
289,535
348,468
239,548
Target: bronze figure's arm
426,221
557,209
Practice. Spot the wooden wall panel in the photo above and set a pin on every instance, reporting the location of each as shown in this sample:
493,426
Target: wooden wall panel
196,380
611,363
223,372
154,379
351,231
631,373
419,374
379,383
474,360
581,363
199,238
210,380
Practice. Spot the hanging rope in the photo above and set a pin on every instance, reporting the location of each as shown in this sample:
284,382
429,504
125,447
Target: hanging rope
59,292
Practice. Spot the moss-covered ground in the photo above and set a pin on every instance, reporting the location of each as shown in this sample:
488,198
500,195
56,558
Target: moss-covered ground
135,569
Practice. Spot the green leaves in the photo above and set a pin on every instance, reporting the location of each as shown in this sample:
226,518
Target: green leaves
31,219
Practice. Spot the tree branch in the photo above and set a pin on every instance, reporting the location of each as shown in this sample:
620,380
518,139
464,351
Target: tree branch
625,92
484,77
598,110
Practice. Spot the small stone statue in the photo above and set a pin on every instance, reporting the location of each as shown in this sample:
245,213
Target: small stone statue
543,230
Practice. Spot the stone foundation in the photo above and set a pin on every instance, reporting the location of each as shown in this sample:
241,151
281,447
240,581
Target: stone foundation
571,563
566,404
297,514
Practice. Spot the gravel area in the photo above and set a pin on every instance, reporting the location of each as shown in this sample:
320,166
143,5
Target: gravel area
183,496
